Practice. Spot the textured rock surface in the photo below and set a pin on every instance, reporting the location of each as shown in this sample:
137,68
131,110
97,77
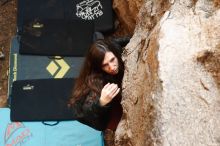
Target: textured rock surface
126,12
171,91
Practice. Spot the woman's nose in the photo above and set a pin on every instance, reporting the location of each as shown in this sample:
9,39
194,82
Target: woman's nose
111,67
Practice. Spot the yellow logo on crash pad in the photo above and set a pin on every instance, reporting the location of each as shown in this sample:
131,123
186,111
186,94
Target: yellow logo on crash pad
58,68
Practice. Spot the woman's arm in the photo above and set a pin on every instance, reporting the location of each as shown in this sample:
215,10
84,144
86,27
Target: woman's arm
94,112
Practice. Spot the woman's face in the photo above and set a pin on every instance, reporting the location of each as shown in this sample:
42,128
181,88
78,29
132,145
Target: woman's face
110,64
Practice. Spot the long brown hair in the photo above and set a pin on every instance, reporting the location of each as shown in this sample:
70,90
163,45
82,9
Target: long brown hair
91,76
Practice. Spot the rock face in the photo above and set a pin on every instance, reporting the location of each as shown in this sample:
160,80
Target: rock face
171,86
126,12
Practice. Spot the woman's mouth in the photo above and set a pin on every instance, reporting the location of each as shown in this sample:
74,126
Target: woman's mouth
115,71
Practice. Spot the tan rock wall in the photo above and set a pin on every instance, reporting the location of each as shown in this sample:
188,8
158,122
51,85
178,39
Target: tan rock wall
171,88
126,12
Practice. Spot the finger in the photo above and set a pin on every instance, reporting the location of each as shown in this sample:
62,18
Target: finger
106,85
113,90
117,91
112,87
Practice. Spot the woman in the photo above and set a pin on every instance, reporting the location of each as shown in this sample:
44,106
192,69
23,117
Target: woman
96,95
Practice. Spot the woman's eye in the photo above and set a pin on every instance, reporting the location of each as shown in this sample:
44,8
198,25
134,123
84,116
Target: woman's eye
104,65
112,59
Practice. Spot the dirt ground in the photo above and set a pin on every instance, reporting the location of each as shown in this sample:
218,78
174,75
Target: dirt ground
8,11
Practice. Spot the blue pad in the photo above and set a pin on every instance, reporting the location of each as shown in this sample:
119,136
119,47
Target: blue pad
66,133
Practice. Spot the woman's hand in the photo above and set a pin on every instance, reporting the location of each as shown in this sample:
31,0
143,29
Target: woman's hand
109,91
